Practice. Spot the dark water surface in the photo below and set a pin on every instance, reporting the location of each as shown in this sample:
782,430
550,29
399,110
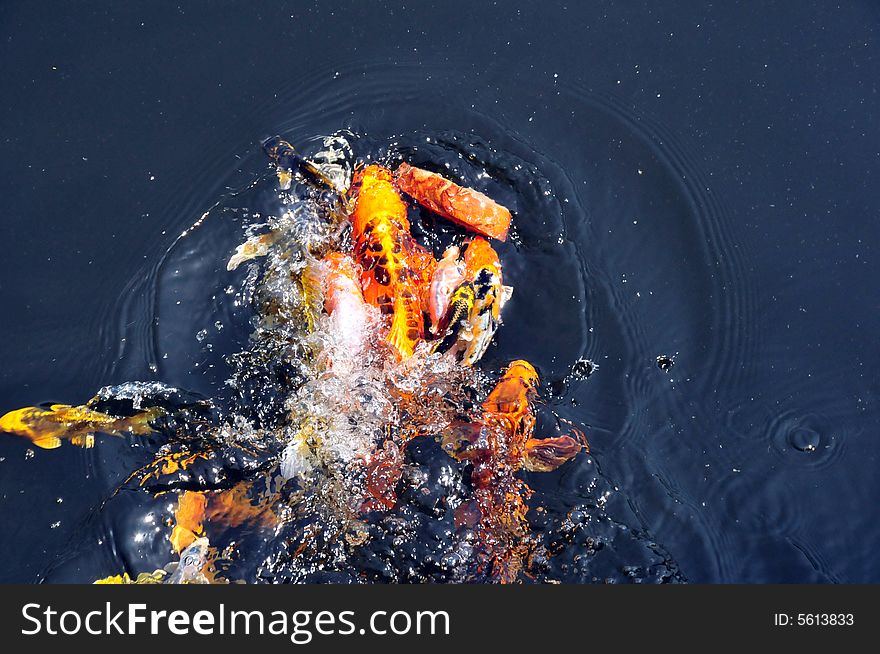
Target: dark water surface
697,183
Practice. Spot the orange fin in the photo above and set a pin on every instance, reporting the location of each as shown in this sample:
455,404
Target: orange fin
47,442
549,453
402,337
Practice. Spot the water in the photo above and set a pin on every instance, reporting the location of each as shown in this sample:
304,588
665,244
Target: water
692,185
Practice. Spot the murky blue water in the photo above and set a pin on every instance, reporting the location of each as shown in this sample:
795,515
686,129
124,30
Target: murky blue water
696,183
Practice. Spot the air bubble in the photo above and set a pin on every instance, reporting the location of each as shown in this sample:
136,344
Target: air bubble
805,440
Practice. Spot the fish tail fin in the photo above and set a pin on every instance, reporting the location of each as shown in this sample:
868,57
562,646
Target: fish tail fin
405,328
312,283
140,422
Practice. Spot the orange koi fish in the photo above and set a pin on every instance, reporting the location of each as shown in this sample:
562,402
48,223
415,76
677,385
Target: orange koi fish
46,428
395,267
463,206
474,311
498,449
232,507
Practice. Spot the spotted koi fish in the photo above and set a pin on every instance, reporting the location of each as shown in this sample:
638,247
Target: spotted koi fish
396,268
473,313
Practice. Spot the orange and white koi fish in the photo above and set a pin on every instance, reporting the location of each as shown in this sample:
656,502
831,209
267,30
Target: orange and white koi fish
395,267
464,206
46,428
474,311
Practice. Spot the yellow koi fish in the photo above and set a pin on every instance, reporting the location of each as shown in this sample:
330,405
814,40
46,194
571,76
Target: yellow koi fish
46,428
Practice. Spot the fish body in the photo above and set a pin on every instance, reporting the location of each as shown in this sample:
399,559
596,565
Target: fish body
46,428
289,161
498,448
474,308
448,275
464,206
395,267
344,302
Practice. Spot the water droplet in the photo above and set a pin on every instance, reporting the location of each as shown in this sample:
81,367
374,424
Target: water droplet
583,368
55,525
29,453
202,335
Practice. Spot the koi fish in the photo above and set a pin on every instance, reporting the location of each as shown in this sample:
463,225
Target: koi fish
229,508
474,308
395,266
288,161
463,206
344,302
46,428
509,404
498,449
448,275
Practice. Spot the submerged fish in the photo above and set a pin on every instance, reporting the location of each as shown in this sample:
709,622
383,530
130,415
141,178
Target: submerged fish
46,428
289,161
498,448
192,561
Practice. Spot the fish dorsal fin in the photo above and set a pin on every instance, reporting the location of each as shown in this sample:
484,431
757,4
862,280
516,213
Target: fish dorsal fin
506,294
47,442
